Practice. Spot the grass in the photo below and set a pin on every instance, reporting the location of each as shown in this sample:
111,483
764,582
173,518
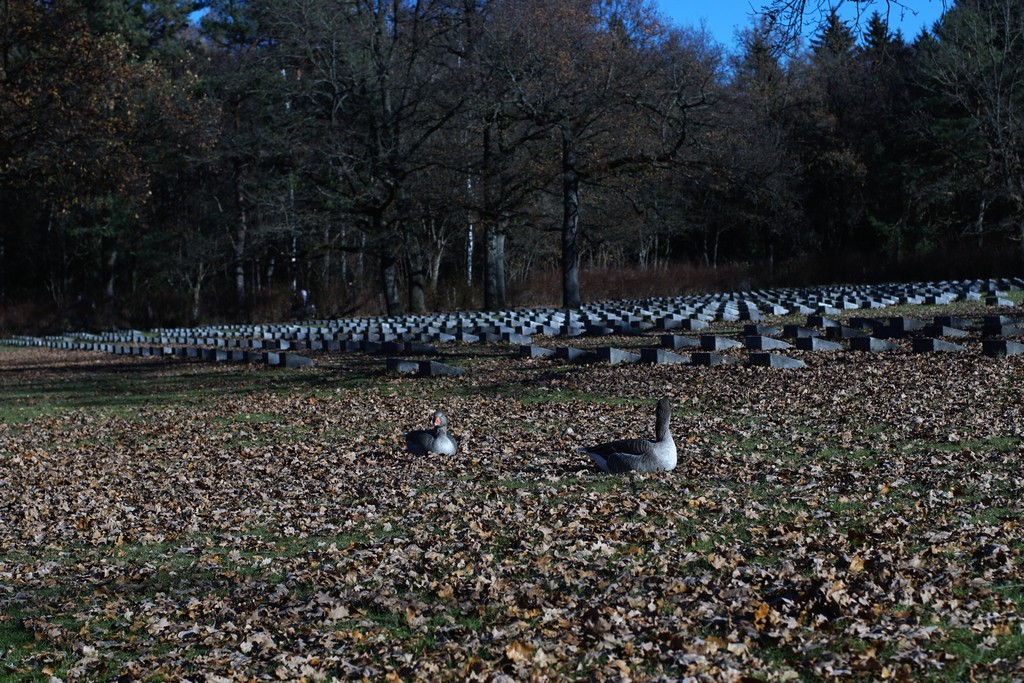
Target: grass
510,541
23,657
119,390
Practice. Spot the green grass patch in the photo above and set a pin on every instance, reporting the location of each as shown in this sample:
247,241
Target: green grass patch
23,659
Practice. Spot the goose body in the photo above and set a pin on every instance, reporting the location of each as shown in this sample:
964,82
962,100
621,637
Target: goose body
639,455
436,440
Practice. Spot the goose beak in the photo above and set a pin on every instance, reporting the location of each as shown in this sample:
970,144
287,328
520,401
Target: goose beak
437,422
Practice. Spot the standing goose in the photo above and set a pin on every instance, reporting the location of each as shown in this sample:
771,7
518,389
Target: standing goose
436,440
639,455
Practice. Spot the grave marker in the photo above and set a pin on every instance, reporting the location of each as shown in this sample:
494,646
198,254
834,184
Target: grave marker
873,345
661,357
817,344
531,351
432,368
775,360
930,345
1001,348
760,343
615,356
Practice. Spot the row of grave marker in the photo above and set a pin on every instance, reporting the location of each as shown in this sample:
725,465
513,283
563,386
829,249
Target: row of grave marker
762,340
595,318
416,334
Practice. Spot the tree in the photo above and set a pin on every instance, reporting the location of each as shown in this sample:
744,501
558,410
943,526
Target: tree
591,74
792,19
236,80
884,134
72,101
836,172
759,177
372,91
977,67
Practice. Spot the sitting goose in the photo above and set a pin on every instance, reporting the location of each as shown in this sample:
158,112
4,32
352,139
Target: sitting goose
639,455
436,440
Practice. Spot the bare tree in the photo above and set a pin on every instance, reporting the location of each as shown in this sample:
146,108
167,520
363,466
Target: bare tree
592,75
978,66
792,19
373,93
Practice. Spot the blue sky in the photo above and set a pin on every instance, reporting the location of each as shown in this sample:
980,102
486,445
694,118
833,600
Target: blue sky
723,17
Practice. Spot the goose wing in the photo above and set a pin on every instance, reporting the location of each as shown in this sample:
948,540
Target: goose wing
419,442
622,455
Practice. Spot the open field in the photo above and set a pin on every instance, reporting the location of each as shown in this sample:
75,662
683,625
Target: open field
168,520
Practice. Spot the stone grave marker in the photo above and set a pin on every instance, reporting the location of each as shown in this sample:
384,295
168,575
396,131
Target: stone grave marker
873,345
532,351
693,325
797,331
952,321
943,331
817,344
515,338
573,355
401,366
432,368
863,323
711,342
775,360
708,358
902,325
1001,348
675,341
661,357
615,356
761,343
821,321
1000,326
843,332
931,345
756,330
295,361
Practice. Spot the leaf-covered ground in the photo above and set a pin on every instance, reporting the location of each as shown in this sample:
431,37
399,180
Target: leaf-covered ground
858,518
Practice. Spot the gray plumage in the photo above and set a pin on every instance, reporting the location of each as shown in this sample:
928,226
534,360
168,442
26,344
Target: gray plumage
639,455
436,440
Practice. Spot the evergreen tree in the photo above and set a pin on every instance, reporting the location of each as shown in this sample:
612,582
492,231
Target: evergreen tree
975,70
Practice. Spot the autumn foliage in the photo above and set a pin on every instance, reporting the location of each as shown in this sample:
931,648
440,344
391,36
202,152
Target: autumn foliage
858,518
185,161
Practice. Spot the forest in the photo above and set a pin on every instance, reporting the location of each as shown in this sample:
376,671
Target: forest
174,162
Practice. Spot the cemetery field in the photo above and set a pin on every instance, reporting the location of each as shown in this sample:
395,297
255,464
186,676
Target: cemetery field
168,519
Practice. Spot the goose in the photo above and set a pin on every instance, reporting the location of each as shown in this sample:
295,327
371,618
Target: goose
436,440
639,455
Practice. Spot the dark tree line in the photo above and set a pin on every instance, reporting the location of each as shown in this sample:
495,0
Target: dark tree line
176,161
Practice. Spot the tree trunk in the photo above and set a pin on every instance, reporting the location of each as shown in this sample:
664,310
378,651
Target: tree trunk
494,268
417,274
360,265
238,241
343,258
438,239
389,271
469,238
570,221
325,262
109,290
197,288
979,222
